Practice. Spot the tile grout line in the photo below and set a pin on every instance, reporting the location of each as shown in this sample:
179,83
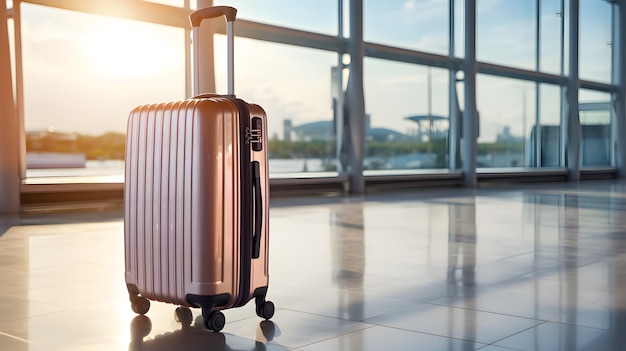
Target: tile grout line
431,334
484,311
519,332
15,337
337,336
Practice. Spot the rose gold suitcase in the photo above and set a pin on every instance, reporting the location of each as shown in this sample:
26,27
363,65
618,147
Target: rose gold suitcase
196,200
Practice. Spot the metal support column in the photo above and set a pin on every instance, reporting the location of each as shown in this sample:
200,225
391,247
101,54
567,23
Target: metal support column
619,79
470,119
453,105
337,94
536,158
9,126
573,84
355,100
19,84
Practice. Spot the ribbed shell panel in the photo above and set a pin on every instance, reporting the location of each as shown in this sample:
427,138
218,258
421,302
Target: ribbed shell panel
159,167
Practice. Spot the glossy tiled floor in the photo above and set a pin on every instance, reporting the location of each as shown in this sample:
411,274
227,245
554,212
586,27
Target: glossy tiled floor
537,267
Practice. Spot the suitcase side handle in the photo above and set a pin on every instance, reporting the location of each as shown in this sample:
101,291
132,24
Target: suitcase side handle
258,210
196,18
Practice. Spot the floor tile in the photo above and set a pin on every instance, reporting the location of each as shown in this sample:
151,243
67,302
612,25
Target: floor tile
382,338
19,308
344,304
560,337
8,342
458,323
506,302
295,329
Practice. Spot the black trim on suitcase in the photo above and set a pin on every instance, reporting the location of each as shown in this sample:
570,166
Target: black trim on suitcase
245,263
258,210
208,302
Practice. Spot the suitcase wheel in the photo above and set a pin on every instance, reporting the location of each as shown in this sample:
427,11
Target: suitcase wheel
265,309
184,316
213,320
140,305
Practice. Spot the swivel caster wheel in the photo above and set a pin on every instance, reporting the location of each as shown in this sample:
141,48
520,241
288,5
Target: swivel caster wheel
140,305
265,310
214,321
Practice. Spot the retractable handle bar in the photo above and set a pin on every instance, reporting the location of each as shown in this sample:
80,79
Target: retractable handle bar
196,19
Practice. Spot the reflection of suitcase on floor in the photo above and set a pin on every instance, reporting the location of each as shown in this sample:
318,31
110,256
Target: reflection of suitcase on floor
196,200
192,337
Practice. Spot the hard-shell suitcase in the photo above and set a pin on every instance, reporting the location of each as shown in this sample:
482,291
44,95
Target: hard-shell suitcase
196,199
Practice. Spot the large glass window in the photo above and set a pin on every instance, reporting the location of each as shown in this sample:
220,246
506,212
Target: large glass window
414,24
83,73
407,115
319,16
82,76
596,43
177,3
459,28
549,132
595,123
293,85
551,37
507,114
505,33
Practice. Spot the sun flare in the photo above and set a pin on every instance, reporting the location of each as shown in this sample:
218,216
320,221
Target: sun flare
128,48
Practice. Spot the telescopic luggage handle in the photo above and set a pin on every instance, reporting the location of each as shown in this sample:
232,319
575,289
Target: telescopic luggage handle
196,19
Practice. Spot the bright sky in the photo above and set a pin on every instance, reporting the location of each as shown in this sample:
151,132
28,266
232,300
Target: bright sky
84,73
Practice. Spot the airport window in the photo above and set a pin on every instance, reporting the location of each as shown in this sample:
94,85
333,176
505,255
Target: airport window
83,74
547,153
293,85
310,15
596,40
551,37
595,124
74,60
406,109
177,3
459,27
505,33
506,109
414,24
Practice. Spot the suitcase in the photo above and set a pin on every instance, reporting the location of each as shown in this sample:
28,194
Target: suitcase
196,199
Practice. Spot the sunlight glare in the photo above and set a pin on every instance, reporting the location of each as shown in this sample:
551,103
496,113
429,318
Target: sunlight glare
127,48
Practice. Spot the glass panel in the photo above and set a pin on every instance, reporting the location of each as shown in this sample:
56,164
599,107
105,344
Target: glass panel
82,76
319,16
459,28
505,32
551,38
293,85
550,121
506,110
413,24
595,122
407,109
595,40
177,3
566,14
